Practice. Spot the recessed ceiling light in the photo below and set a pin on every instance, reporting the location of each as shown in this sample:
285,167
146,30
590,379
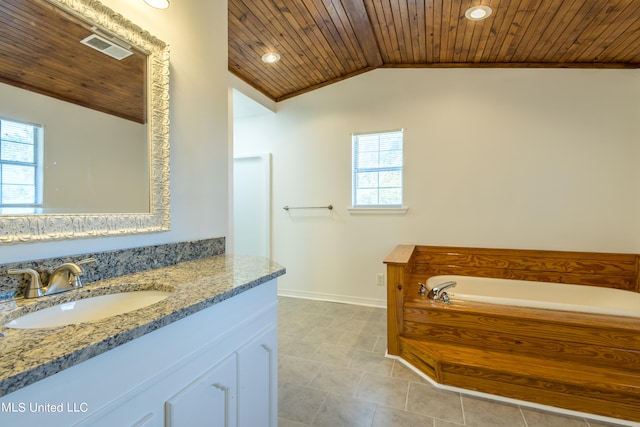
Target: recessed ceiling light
270,57
158,4
477,13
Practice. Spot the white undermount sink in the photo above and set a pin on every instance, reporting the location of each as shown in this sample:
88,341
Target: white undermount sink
88,309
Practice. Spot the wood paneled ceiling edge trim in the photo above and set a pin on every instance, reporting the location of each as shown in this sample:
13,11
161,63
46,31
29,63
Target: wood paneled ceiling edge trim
568,65
305,90
573,65
323,84
250,91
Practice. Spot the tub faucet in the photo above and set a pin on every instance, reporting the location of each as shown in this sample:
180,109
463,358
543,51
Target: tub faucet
439,292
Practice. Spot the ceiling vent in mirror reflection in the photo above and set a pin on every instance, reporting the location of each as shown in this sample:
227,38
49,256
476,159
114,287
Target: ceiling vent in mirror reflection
105,46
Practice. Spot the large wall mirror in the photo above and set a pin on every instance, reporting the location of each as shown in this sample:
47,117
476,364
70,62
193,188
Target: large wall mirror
84,123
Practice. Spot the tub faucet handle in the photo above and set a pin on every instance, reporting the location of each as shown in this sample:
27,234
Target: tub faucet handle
423,289
445,298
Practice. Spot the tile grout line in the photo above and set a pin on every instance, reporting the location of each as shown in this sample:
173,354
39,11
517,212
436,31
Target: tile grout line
464,416
324,401
355,391
526,424
406,398
375,412
315,375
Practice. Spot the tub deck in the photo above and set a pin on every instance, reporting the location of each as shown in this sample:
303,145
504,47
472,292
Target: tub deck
578,361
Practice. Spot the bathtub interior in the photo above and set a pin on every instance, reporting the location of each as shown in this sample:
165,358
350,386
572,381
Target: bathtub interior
543,295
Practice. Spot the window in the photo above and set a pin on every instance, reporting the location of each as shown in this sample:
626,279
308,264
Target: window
20,173
377,169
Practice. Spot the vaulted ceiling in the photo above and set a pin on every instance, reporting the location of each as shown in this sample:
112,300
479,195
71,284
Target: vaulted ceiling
324,41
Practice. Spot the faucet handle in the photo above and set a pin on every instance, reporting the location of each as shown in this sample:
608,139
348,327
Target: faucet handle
423,288
77,282
445,297
34,288
85,261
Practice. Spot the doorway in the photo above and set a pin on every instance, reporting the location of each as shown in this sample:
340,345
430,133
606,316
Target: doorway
252,205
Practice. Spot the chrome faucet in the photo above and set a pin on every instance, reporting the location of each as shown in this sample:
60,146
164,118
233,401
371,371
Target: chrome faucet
64,278
439,292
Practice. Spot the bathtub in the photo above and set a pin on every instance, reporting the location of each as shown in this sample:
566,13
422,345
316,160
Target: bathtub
570,347
545,295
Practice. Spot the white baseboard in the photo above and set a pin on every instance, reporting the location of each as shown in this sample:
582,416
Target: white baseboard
345,299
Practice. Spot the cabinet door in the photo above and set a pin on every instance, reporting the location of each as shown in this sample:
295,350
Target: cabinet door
258,381
208,401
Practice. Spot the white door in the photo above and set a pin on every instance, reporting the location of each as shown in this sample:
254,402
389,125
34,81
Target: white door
252,205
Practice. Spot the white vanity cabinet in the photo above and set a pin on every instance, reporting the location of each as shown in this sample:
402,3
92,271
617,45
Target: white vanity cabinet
212,397
216,367
258,380
241,390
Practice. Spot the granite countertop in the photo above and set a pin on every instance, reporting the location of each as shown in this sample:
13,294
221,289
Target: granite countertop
29,355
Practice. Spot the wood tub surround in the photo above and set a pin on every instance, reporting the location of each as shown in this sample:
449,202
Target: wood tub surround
577,361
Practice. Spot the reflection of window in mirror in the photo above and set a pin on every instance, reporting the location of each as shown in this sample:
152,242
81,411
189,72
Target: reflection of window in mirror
20,167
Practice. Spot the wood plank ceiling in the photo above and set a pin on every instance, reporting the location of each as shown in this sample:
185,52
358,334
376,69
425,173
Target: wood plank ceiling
324,41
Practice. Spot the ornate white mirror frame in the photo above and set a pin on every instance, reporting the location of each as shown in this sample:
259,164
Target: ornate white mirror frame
46,227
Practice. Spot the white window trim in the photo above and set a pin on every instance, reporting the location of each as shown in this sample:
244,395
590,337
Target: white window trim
379,209
375,210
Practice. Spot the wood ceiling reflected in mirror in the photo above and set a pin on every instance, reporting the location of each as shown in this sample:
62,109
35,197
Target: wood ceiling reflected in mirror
324,41
41,52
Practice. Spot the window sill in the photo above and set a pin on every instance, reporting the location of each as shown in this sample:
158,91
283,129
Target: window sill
378,211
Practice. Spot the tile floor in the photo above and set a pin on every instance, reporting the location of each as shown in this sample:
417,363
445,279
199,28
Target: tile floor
332,372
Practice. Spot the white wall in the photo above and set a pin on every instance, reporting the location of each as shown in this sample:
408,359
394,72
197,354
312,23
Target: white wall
197,34
538,159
